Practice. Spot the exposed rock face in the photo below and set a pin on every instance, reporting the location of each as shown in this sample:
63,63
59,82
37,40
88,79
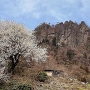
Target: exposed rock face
68,33
64,37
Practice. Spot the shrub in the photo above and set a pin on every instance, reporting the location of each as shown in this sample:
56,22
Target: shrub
88,78
54,41
17,86
25,87
62,44
85,55
42,76
70,54
85,68
83,79
2,82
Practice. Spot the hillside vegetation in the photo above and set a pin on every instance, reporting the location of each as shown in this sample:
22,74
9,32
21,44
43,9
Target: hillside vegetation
68,50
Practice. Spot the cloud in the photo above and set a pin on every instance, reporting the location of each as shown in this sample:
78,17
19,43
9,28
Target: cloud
61,9
53,10
36,8
19,7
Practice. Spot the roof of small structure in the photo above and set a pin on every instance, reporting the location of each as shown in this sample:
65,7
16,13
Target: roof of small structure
48,70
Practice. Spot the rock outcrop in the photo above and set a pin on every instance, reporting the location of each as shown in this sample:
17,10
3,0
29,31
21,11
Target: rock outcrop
68,33
68,46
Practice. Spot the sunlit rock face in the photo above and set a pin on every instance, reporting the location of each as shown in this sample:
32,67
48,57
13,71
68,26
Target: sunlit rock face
69,33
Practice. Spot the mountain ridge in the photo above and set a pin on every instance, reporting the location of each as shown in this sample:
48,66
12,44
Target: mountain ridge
68,46
68,33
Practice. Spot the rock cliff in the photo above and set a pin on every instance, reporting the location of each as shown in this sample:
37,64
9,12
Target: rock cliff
68,46
68,33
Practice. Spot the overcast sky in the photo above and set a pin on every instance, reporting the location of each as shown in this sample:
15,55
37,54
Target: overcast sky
33,12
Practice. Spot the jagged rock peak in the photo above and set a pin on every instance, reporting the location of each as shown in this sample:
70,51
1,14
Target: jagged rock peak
69,33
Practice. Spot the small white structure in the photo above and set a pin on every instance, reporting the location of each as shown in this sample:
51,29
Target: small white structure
49,72
53,72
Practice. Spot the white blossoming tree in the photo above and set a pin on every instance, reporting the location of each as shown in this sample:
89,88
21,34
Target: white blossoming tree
16,41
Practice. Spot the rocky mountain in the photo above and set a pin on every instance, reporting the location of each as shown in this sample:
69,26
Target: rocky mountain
68,33
68,46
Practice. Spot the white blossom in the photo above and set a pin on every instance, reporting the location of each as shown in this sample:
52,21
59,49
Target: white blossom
15,38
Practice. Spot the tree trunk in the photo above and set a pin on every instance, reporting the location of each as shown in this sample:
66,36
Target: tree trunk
15,60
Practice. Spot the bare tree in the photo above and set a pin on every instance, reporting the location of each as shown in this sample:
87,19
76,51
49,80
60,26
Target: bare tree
16,41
